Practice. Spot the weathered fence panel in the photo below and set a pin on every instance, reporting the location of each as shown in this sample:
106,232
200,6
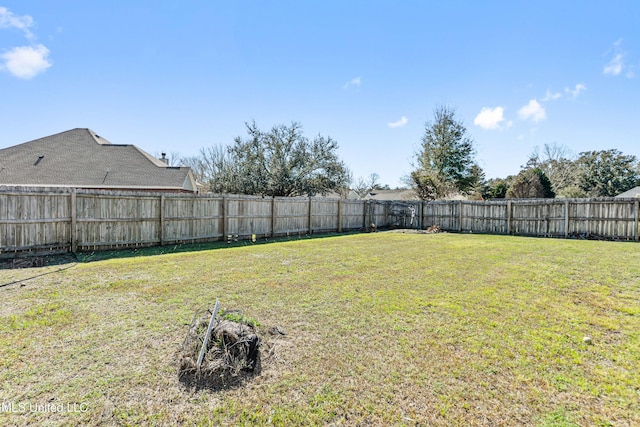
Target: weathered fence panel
111,221
537,218
192,219
291,216
34,221
247,216
603,218
352,215
484,217
52,220
324,215
445,214
376,213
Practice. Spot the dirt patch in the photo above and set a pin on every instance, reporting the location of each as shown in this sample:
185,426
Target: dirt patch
36,261
434,229
233,354
430,230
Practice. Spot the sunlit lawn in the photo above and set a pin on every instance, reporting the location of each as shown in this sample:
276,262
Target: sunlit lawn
382,329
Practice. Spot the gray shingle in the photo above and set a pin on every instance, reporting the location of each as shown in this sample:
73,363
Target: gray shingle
634,192
80,158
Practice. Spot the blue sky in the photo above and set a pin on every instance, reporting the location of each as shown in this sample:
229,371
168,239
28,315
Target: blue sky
179,76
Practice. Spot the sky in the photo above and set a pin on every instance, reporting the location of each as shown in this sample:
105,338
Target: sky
176,77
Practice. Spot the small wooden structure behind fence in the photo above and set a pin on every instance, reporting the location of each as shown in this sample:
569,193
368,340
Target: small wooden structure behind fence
36,220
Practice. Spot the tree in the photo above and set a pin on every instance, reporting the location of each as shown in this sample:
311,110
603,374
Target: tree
607,173
530,184
362,186
280,162
174,159
558,164
497,188
213,167
445,162
479,180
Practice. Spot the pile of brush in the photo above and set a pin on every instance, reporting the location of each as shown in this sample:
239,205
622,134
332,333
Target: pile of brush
434,229
231,351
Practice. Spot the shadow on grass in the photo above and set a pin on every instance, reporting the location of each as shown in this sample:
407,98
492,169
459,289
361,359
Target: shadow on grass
84,257
194,381
68,260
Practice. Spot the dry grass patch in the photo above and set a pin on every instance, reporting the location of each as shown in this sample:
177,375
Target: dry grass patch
382,329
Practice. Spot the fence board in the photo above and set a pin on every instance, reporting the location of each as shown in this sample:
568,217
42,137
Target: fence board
33,221
324,215
293,216
352,214
37,220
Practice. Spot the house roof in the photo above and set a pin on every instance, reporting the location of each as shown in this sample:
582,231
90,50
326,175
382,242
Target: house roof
634,192
81,158
400,194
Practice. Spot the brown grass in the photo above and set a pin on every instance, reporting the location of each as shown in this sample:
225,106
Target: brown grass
382,329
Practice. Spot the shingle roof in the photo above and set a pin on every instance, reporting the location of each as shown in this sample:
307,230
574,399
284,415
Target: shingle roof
81,158
634,192
403,194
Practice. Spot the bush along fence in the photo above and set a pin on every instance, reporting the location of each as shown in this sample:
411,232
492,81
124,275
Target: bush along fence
36,220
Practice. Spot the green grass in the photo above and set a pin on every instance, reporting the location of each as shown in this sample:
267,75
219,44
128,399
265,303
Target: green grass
382,329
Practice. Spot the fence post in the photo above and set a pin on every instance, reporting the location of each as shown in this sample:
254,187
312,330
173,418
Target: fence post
192,220
161,229
566,219
460,216
225,226
74,222
310,216
636,232
339,215
364,215
423,220
385,212
273,216
509,217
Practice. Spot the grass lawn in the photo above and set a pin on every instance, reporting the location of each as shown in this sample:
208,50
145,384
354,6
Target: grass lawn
382,329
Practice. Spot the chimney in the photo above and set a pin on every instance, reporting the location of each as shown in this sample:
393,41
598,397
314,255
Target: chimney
164,159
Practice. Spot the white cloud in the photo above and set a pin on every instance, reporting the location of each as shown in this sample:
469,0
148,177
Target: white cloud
614,67
403,121
580,87
489,118
26,62
353,82
617,65
551,96
9,20
532,111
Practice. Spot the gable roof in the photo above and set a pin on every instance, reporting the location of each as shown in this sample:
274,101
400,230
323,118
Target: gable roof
81,158
634,192
399,194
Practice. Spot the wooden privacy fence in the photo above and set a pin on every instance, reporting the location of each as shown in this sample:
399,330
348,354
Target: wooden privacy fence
602,218
62,220
58,220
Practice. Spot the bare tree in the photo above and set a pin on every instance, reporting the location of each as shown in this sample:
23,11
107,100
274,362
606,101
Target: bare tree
363,186
174,158
558,164
215,168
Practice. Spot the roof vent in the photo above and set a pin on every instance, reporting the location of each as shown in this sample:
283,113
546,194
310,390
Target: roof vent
38,160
